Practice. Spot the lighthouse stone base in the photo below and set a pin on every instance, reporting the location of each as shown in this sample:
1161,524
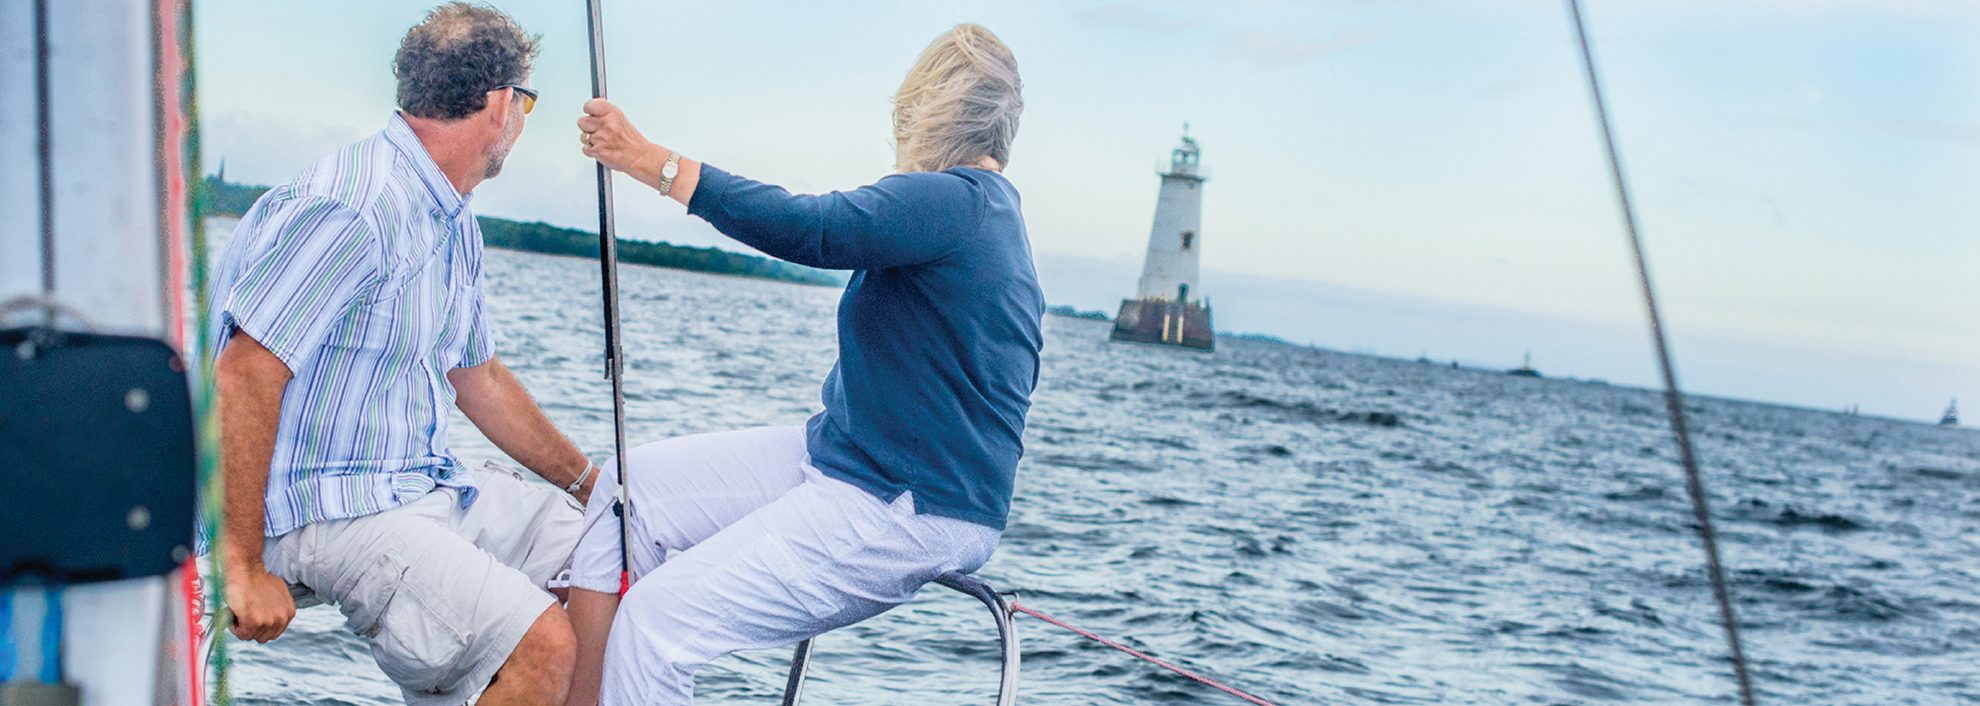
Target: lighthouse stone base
1165,322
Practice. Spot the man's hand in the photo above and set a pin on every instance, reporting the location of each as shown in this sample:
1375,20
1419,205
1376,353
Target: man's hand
260,602
250,381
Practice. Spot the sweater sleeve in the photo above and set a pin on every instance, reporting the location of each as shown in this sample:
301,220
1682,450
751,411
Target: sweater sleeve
901,220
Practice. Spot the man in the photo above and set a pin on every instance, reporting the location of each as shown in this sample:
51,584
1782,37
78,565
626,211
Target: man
349,313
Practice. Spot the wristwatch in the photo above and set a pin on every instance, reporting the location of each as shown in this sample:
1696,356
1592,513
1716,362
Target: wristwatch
668,171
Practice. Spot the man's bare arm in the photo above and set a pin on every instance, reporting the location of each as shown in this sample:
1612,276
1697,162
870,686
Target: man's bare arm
250,381
496,402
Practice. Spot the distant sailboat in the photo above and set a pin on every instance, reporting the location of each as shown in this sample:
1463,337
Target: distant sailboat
1951,417
1525,368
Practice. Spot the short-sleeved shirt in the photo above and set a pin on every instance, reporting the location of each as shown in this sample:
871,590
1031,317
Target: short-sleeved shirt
363,276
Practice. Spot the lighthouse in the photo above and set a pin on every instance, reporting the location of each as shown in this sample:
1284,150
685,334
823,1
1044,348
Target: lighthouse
1168,307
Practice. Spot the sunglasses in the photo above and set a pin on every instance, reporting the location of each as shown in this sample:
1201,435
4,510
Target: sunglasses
528,96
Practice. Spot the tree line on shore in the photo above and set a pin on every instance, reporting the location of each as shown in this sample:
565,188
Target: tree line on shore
230,199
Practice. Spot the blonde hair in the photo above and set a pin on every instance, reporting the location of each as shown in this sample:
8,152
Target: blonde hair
959,104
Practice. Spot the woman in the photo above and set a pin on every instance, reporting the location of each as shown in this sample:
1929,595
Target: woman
784,533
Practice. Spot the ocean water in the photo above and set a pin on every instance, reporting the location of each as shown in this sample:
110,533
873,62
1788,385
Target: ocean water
1313,526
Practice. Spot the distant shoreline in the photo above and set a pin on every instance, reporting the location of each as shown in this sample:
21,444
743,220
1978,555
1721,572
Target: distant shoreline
233,200
224,198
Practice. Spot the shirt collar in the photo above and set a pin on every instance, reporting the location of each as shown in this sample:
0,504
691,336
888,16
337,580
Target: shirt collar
446,201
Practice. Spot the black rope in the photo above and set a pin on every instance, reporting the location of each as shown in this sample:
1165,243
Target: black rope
45,150
1673,399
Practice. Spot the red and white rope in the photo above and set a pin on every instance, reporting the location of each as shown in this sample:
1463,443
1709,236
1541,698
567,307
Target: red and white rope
1138,654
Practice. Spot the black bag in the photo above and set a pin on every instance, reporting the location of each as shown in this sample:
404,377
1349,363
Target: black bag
98,471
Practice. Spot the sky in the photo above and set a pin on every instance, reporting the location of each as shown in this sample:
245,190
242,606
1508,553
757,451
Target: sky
1400,178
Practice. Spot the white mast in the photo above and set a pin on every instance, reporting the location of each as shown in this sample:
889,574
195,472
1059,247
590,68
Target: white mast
108,261
88,141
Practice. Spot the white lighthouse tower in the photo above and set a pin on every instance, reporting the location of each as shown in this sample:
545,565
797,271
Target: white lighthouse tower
1168,306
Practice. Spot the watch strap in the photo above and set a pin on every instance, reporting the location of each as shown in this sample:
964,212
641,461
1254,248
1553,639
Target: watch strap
667,173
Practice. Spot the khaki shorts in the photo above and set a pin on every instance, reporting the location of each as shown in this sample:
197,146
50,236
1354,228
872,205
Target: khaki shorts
442,594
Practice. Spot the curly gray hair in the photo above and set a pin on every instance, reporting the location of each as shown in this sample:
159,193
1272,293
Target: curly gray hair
449,62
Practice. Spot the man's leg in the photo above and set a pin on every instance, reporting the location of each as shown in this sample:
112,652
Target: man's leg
591,614
683,491
539,669
531,527
442,616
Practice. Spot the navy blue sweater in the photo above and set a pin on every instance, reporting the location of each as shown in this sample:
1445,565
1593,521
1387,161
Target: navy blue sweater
939,329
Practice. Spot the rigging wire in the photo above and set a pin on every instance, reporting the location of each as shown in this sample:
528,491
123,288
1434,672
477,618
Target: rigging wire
212,493
44,149
1673,398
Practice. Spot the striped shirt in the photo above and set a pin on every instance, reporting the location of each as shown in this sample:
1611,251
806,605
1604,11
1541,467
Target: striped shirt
363,275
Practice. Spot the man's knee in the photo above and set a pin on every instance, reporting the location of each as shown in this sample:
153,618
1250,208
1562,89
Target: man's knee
547,652
551,639
538,670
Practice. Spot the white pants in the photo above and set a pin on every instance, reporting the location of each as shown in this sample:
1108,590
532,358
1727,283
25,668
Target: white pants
771,551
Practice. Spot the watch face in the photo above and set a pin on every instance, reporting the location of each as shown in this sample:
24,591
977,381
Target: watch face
671,169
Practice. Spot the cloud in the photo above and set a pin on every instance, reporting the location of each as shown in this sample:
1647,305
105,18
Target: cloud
1262,48
1136,17
1270,49
1961,132
1509,84
261,149
1942,131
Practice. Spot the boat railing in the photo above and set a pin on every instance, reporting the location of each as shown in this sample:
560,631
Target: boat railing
1000,611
